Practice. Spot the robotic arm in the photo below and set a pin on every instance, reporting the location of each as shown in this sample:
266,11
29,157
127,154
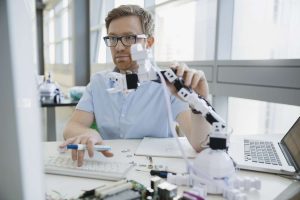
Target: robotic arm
213,165
218,138
146,72
128,82
196,102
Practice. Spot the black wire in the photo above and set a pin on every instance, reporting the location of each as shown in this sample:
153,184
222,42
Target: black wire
291,177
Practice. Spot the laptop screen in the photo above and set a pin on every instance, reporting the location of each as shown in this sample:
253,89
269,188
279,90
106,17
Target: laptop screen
292,141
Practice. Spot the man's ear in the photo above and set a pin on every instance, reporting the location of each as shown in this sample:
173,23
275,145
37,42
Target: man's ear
150,42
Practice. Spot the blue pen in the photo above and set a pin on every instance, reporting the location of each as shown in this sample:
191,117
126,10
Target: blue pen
83,147
162,174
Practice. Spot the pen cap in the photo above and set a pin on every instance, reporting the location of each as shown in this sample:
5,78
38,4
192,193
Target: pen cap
76,146
162,174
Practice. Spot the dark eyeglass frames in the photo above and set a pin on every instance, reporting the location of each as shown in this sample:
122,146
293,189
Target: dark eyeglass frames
127,40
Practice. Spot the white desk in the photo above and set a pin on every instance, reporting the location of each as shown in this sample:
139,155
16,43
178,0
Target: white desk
70,187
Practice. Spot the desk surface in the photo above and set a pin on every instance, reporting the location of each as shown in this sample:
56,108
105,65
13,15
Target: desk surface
123,150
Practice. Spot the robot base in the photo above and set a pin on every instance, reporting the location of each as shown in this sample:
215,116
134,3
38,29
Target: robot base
216,167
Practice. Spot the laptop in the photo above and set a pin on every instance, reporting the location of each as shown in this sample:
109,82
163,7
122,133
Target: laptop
268,153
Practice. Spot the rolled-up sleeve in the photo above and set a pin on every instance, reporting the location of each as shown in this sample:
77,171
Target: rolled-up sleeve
86,101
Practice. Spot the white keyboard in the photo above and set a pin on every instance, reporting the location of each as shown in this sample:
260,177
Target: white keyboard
96,169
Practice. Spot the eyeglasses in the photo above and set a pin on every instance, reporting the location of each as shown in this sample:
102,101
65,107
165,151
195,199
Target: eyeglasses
127,40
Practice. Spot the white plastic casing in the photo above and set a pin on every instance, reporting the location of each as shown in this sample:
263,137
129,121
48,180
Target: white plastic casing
170,75
178,179
119,82
217,165
143,56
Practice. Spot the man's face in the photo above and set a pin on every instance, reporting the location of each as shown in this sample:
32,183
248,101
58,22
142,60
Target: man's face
129,25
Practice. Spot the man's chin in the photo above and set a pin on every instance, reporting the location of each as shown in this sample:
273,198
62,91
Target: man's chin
124,66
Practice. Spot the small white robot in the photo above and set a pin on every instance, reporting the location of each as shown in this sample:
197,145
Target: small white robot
49,91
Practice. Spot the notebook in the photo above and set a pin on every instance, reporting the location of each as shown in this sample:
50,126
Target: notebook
268,153
165,147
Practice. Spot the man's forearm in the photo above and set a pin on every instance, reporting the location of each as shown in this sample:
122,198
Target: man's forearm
195,127
200,129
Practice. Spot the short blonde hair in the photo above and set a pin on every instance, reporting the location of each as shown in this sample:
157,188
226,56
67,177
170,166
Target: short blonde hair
132,10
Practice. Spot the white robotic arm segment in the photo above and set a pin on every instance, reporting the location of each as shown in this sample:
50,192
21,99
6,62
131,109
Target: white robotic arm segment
194,102
147,75
170,75
119,82
143,56
138,53
128,82
197,103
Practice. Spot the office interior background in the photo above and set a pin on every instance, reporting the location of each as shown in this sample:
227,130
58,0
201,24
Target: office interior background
248,49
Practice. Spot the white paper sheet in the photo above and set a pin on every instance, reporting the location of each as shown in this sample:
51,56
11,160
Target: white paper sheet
165,147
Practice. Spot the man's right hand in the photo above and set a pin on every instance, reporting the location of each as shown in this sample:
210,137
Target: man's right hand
89,139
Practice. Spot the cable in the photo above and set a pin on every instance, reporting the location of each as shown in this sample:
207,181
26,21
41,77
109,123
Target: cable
170,120
170,115
291,177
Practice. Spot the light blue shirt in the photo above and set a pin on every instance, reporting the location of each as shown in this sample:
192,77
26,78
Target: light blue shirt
140,113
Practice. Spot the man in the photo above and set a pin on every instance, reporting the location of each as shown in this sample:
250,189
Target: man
142,112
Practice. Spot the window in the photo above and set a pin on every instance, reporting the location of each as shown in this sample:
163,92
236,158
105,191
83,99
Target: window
103,51
185,30
160,1
57,36
96,20
51,39
123,2
258,117
266,29
66,53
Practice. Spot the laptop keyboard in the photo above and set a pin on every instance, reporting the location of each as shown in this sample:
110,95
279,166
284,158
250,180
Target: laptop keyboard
258,151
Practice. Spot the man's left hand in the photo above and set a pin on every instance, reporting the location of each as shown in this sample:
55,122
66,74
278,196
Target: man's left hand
194,79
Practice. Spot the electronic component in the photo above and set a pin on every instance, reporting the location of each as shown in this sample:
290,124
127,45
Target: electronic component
166,191
125,190
155,181
125,195
219,137
195,193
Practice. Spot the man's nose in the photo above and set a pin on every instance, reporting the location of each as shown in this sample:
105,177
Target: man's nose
119,46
